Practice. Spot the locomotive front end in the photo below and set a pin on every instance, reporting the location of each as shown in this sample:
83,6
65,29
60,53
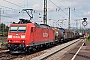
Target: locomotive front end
17,38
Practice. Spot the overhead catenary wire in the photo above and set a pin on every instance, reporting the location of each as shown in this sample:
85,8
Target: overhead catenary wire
11,8
7,16
71,9
58,7
13,3
64,12
19,5
61,9
8,8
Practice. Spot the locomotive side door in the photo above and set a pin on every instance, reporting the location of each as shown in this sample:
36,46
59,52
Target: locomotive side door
32,34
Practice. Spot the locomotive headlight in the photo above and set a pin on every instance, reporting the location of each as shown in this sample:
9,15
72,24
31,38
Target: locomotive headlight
9,36
22,36
9,41
22,41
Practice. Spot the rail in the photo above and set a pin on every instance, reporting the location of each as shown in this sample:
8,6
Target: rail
54,50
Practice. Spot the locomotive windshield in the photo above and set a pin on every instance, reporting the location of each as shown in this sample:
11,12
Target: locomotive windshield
17,28
21,29
13,29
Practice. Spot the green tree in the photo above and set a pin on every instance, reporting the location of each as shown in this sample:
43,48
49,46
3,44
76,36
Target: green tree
3,29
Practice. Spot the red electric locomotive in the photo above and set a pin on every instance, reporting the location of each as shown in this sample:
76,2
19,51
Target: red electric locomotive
25,35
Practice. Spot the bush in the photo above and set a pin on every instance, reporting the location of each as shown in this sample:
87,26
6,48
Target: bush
88,38
3,43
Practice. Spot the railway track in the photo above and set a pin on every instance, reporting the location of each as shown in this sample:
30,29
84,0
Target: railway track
8,56
1,50
3,38
52,54
39,55
5,55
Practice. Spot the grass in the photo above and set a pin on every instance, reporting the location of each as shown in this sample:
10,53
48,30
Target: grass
88,40
3,43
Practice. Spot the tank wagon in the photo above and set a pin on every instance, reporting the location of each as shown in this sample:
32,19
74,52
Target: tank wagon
58,34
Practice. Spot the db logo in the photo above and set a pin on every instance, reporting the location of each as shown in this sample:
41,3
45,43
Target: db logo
45,34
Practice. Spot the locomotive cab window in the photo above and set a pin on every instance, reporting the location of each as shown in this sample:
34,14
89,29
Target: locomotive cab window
21,29
13,29
18,29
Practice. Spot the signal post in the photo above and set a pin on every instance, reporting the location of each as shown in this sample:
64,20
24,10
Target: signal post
84,23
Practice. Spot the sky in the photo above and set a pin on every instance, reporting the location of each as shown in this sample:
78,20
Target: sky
11,11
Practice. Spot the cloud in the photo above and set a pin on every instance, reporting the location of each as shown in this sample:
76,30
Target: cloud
37,7
87,13
81,9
